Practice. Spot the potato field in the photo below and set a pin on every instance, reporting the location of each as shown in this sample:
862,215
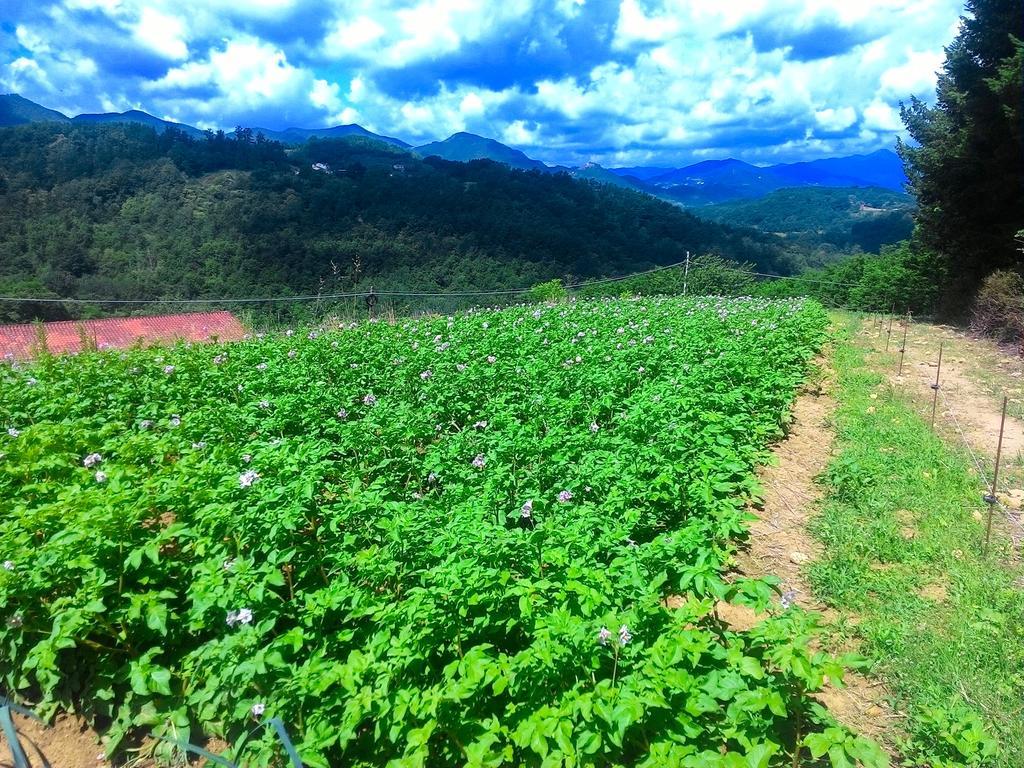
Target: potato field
496,538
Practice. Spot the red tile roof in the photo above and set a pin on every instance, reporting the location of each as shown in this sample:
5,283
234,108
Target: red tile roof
21,341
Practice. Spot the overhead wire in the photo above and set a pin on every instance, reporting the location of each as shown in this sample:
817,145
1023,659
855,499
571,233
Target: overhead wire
396,294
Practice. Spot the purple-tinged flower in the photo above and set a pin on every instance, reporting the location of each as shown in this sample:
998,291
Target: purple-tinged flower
264,404
565,496
491,359
432,478
8,565
482,424
289,332
145,424
594,426
31,382
369,399
788,599
624,635
245,617
219,359
342,413
311,335
261,367
168,369
460,366
641,369
13,432
426,374
603,636
247,478
292,353
247,458
198,446
91,459
479,461
101,476
175,420
258,709
526,511
229,564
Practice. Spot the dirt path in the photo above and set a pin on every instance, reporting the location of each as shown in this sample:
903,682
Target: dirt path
781,545
68,743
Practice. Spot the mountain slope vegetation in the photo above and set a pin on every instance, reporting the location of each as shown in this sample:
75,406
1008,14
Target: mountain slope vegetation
842,217
121,211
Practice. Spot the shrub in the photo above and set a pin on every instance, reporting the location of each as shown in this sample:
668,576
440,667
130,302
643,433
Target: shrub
998,309
552,290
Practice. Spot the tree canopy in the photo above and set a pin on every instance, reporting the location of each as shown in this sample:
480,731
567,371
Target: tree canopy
967,163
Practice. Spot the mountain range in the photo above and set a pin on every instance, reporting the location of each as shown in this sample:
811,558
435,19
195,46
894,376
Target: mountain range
705,183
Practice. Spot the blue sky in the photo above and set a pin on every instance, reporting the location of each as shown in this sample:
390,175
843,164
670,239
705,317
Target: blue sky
619,82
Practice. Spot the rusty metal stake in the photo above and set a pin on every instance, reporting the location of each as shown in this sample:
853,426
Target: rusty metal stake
991,498
888,333
903,348
935,386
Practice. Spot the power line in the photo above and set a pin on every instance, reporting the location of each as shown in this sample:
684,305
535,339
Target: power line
402,294
324,296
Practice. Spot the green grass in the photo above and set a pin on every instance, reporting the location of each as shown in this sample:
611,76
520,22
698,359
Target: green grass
943,623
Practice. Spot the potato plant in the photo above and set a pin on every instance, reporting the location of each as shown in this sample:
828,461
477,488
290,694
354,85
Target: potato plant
497,538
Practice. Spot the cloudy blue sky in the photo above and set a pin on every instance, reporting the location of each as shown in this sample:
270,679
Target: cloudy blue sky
620,82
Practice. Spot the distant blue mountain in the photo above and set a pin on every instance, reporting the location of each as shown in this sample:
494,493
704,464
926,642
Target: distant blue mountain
705,183
16,110
641,172
464,147
878,169
595,172
717,181
136,116
301,135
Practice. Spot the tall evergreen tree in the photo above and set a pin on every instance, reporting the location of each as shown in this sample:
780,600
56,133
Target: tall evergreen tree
967,169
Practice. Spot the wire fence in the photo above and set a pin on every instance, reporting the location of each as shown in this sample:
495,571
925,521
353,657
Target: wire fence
992,489
396,294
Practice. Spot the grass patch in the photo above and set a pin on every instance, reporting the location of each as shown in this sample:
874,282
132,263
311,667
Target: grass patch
943,624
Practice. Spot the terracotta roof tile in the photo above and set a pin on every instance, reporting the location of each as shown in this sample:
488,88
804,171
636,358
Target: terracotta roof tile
21,341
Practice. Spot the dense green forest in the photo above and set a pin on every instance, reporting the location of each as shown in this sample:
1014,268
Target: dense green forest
121,212
966,158
827,221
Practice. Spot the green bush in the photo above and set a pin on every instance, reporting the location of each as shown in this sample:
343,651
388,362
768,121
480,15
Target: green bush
552,290
709,275
903,277
998,309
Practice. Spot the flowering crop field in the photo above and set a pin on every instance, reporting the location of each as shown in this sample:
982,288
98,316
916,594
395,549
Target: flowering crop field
491,539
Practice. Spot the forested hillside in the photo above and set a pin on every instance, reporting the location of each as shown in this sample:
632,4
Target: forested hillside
826,218
119,211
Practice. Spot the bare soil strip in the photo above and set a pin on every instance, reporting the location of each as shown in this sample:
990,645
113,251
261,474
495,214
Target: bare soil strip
781,545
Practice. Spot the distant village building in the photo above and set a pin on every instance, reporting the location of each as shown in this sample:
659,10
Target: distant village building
26,341
322,167
400,167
